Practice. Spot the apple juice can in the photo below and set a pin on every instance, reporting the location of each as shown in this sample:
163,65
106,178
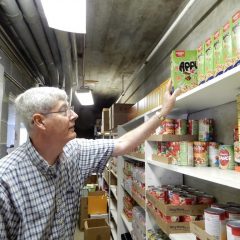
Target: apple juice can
226,157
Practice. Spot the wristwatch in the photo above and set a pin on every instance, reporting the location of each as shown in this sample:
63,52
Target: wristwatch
160,118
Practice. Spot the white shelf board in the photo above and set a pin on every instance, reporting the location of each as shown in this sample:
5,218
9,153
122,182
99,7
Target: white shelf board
114,190
126,190
134,122
134,158
113,231
127,223
220,90
114,174
228,178
182,236
114,214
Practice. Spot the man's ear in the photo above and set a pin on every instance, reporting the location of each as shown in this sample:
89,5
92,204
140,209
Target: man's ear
38,121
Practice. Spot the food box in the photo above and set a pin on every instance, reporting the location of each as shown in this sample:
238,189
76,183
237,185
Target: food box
209,60
236,38
201,63
227,46
218,52
184,69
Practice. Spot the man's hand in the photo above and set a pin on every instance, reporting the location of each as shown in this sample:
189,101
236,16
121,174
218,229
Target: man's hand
169,99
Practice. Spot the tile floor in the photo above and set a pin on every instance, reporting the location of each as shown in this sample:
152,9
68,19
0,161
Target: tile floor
79,235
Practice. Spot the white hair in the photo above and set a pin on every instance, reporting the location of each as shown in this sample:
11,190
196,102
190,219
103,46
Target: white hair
38,100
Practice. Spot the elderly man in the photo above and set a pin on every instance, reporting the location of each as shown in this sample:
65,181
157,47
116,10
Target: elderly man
40,181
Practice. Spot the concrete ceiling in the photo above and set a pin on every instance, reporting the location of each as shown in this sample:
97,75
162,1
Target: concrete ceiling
120,36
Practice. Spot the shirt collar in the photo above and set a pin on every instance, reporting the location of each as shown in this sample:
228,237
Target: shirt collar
40,163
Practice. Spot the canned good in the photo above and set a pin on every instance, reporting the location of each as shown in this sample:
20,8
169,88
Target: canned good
233,230
233,213
213,148
220,205
185,154
173,154
193,127
205,199
170,219
167,126
186,199
237,152
180,126
215,222
189,218
235,134
200,154
205,132
226,157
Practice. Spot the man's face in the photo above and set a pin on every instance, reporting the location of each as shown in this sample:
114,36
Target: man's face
60,122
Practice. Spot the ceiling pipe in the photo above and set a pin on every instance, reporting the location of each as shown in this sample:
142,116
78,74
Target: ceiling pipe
30,68
64,46
75,59
32,18
52,42
15,16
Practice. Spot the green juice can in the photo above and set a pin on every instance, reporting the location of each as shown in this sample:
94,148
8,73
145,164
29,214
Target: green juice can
226,157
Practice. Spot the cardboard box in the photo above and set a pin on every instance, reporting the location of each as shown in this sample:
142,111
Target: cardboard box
184,69
218,52
96,229
198,229
227,46
175,227
83,212
119,114
97,202
201,64
209,59
105,120
172,210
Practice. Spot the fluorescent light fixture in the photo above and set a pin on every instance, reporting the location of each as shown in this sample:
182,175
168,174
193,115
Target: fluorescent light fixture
66,15
84,96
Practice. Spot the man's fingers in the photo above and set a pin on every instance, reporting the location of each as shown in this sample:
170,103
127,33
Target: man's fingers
169,86
177,92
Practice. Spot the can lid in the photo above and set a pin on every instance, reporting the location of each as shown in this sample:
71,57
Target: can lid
235,226
216,211
233,210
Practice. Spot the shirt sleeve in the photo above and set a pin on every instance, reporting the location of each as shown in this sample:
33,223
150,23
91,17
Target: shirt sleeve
89,156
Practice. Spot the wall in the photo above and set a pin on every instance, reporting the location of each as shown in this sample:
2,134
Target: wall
14,81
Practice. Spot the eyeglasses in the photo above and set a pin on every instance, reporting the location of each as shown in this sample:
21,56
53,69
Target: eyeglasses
67,112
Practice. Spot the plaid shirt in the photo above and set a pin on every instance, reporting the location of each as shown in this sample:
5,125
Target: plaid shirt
39,201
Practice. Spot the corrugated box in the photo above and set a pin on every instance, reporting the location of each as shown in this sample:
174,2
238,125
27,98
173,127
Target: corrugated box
83,212
171,210
119,114
96,229
105,120
97,202
198,229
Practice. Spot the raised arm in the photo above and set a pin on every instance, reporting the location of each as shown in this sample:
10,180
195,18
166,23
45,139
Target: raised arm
132,139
